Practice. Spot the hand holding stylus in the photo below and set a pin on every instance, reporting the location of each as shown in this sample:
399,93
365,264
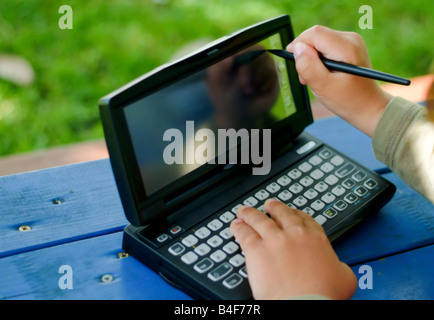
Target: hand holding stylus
358,100
277,261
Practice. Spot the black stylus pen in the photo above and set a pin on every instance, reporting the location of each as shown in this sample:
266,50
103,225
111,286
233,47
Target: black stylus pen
349,68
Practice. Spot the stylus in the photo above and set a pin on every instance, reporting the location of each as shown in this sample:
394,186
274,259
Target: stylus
349,68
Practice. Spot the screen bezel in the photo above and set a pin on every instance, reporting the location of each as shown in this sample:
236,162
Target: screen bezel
141,208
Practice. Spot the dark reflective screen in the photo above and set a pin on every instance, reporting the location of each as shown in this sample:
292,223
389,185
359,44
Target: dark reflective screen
249,90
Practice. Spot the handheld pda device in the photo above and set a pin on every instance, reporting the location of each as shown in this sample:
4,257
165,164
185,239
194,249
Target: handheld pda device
196,138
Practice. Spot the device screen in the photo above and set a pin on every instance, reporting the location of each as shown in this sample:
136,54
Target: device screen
175,130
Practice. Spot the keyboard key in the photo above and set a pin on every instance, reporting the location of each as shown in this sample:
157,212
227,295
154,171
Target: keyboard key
262,195
227,217
202,233
327,167
215,241
251,202
370,184
306,181
175,230
215,225
218,256
325,153
284,195
350,198
321,186
317,174
360,191
305,147
284,180
202,249
237,260
235,209
328,197
203,265
189,240
189,257
176,249
331,180
304,167
296,188
330,213
359,176
232,281
315,160
310,194
338,190
348,183
317,205
230,247
309,211
294,174
226,233
299,201
163,237
340,205
273,187
220,272
320,219
345,170
337,160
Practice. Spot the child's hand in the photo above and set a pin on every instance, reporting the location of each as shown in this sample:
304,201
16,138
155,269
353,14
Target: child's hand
289,255
358,100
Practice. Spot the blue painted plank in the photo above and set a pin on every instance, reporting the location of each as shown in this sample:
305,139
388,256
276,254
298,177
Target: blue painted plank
406,222
60,205
339,134
35,275
406,276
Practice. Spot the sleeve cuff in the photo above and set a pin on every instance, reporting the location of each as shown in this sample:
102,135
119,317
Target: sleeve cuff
397,117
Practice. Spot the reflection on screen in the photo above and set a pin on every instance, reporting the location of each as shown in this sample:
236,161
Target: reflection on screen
248,90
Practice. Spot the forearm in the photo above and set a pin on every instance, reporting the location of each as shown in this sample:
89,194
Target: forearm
404,141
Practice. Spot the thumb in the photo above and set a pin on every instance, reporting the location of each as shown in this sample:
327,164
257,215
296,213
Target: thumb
310,68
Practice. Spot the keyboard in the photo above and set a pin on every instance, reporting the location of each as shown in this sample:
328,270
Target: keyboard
326,185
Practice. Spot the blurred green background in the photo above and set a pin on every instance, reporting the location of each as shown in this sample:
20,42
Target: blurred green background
115,41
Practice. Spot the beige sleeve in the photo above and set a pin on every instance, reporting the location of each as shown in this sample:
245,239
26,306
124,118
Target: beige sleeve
404,141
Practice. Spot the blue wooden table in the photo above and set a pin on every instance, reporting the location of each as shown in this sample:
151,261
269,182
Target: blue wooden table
72,216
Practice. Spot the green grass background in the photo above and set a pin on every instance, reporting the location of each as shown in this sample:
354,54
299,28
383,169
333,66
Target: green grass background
115,41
